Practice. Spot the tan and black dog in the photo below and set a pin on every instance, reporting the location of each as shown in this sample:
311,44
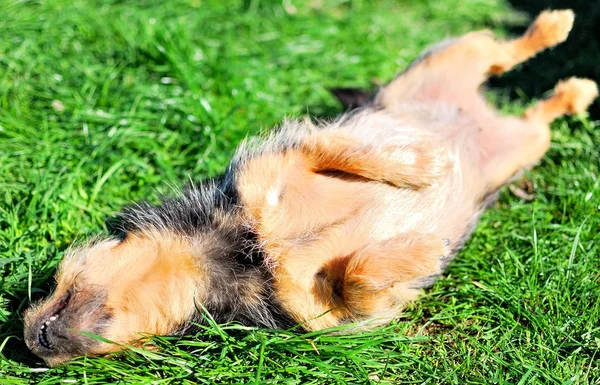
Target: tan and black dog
317,225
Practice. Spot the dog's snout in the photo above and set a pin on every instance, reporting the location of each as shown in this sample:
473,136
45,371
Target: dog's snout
50,332
53,330
44,330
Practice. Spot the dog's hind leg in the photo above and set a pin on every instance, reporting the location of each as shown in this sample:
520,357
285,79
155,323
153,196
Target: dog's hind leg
382,277
520,142
371,282
458,67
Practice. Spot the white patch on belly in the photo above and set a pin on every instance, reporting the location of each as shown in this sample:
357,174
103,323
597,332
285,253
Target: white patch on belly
273,197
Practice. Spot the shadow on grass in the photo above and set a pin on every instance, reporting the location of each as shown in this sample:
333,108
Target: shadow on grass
578,56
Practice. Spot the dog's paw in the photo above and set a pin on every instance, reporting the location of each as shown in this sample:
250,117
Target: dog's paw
577,94
420,164
552,27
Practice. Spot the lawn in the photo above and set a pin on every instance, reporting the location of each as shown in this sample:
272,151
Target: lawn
104,102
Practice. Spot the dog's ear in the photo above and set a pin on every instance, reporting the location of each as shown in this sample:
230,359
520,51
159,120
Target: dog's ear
352,97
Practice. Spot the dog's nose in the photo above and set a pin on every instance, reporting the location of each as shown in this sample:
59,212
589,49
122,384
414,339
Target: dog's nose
48,329
57,329
52,339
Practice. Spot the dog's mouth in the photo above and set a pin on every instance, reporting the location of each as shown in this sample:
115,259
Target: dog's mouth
43,337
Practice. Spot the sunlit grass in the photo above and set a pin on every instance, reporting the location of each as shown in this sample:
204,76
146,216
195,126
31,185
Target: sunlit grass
104,102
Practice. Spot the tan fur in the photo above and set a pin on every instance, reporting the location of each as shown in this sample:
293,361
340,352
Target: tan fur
157,293
160,294
530,136
316,203
317,224
416,164
315,219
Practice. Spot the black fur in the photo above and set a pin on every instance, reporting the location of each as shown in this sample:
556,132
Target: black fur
352,98
209,213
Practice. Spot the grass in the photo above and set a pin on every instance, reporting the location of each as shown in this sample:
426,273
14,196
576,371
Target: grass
104,102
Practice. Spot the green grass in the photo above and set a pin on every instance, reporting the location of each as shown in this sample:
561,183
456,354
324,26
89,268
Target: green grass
104,102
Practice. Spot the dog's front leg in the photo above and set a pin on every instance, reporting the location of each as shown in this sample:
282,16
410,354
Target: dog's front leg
415,164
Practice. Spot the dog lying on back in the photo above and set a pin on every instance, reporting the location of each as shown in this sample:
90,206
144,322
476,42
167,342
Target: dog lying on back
316,225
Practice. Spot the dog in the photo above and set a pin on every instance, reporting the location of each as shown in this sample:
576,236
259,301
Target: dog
316,225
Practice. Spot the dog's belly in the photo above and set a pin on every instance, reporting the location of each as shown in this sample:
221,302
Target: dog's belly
448,206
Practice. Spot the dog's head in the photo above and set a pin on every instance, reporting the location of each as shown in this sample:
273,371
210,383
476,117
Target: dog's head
114,289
